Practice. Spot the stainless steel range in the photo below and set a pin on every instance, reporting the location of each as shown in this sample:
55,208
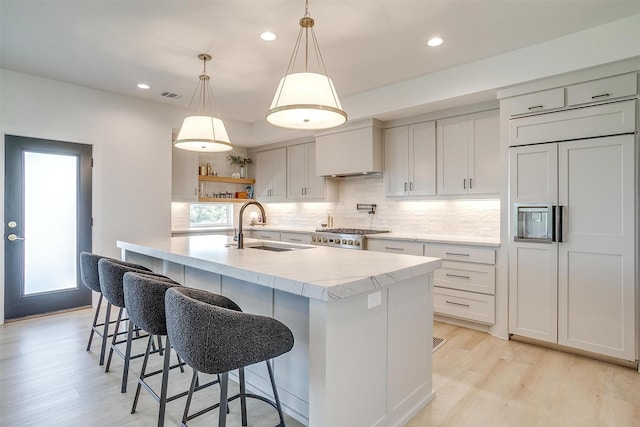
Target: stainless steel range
348,238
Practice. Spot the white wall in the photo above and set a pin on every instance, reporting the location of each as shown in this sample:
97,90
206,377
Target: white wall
131,142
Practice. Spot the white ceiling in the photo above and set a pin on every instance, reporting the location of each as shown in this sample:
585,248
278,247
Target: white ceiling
366,44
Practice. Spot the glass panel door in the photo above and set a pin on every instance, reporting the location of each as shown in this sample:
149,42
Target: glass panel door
47,225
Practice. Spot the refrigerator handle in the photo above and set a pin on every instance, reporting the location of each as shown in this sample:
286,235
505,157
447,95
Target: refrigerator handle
558,225
554,222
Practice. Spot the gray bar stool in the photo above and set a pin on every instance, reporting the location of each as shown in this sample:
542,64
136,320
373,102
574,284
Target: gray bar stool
217,340
90,278
144,297
111,283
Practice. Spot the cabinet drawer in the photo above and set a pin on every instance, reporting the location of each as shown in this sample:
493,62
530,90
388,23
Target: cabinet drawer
536,102
396,247
465,305
603,89
461,253
304,238
266,235
598,120
466,277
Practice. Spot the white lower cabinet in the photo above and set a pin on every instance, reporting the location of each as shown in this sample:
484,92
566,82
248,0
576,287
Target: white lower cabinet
265,235
304,238
465,285
395,246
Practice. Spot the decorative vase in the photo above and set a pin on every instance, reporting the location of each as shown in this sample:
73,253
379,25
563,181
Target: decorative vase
242,172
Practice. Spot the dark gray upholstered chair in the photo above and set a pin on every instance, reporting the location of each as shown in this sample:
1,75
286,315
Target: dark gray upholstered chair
215,339
111,283
144,299
90,278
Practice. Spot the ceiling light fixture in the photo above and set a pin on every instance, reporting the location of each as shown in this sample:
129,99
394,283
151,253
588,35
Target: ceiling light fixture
203,132
306,100
143,86
268,36
435,41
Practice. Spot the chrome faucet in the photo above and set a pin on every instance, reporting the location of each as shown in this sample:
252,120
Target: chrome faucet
240,235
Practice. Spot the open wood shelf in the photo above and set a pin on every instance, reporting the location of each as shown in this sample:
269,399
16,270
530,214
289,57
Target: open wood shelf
222,200
208,178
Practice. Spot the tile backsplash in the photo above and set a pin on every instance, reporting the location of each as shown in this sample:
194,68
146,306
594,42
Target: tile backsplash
450,217
453,217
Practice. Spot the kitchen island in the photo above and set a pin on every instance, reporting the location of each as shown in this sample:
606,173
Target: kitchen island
362,321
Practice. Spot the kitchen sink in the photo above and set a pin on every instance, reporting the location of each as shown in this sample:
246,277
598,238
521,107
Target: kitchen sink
275,247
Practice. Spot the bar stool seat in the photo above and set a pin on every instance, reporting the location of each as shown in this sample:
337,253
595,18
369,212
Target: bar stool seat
90,278
217,340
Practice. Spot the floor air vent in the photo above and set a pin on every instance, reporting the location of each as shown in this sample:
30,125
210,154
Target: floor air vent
438,342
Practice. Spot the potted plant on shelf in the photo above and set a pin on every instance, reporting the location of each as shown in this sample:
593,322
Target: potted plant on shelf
240,161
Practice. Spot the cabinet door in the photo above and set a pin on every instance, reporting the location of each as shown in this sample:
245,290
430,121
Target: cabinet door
396,161
184,175
596,260
315,188
533,270
484,152
263,175
279,173
453,156
296,171
422,159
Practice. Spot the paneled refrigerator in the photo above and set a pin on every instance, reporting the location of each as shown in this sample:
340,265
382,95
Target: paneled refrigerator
572,248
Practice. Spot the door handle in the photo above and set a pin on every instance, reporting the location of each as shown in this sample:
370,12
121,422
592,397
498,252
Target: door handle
559,210
12,237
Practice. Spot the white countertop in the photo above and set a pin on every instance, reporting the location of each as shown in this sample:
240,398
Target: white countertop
318,272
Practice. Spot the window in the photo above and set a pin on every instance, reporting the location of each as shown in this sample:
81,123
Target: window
210,214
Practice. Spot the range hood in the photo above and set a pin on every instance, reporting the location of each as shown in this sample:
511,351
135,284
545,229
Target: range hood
354,149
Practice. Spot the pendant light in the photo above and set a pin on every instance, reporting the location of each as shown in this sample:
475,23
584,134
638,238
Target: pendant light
306,100
203,132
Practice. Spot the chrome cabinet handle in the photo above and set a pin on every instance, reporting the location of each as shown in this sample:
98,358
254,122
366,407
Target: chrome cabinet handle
458,276
455,254
470,182
457,303
390,248
411,186
603,95
464,184
295,240
405,186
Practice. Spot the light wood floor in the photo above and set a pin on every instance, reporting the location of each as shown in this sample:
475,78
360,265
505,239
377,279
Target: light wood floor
47,379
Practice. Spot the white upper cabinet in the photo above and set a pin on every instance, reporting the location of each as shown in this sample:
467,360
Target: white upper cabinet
468,149
184,175
271,175
410,160
602,89
302,181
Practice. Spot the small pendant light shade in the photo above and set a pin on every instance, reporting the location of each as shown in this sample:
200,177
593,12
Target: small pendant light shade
202,132
306,100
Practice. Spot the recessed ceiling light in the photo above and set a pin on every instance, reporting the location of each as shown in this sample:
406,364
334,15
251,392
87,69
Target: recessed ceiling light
143,86
436,41
268,36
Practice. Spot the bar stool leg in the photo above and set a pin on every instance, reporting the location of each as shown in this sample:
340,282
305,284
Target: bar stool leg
243,398
95,322
224,385
275,394
165,381
105,334
142,372
194,379
127,356
114,340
